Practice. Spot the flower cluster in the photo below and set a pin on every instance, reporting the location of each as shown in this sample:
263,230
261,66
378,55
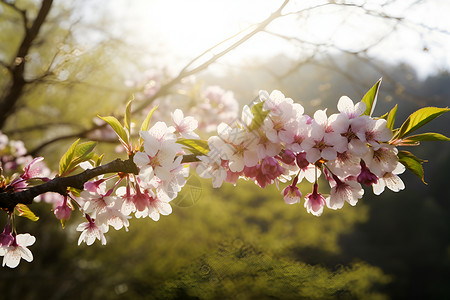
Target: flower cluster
161,177
274,141
279,143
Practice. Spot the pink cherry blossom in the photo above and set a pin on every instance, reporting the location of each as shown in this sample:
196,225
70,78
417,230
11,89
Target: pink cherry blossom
185,126
160,151
346,106
314,201
17,250
371,131
211,167
235,145
90,232
345,164
391,180
381,160
291,194
342,191
324,142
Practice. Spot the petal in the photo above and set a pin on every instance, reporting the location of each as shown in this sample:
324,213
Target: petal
378,187
12,257
345,105
25,239
26,254
177,116
393,182
141,159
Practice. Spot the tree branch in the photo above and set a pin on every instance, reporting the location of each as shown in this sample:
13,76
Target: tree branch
60,184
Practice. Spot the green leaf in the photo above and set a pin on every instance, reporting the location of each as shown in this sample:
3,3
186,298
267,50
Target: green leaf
83,152
370,98
391,117
198,147
258,116
117,127
428,136
63,223
97,159
67,158
76,154
419,118
412,163
385,116
127,120
76,192
146,122
23,211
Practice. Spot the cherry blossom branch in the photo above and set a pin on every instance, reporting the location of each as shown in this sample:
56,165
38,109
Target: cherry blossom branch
60,184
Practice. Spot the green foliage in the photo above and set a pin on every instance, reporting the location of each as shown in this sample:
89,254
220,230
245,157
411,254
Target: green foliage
412,163
241,271
22,210
195,146
428,136
146,123
118,129
127,120
419,118
76,154
391,117
370,98
258,116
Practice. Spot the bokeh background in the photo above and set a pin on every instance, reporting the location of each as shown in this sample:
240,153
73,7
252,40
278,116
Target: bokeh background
243,242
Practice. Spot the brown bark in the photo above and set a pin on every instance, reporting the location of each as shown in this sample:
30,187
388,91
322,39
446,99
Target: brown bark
17,69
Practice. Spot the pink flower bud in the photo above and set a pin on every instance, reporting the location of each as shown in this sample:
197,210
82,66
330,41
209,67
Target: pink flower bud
291,194
302,162
6,237
366,177
288,157
63,212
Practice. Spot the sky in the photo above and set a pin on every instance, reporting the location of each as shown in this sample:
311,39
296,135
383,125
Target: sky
181,30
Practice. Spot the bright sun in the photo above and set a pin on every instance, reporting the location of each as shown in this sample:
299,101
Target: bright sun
187,28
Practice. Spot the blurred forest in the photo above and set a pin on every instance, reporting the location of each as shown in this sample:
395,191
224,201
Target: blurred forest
238,242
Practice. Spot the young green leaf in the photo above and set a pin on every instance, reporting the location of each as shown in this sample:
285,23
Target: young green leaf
146,122
385,116
258,116
97,159
370,98
127,120
412,163
419,118
66,159
428,136
391,117
83,152
76,154
117,127
24,211
198,147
